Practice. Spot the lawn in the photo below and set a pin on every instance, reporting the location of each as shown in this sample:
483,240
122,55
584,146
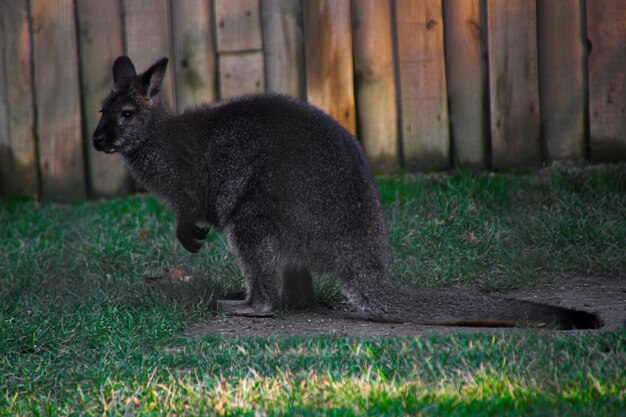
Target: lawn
82,334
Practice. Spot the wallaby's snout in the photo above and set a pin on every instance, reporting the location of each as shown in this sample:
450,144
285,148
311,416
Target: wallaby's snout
99,137
99,142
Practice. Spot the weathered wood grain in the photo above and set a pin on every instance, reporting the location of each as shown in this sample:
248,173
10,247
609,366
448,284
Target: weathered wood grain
606,26
241,74
283,44
58,100
424,104
514,86
328,50
239,44
375,83
18,162
148,38
238,25
194,60
561,81
100,42
466,70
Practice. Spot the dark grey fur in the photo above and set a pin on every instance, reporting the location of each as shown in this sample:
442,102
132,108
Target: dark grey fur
291,190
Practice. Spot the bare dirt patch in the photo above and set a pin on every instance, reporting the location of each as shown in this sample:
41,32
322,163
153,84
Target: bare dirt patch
605,296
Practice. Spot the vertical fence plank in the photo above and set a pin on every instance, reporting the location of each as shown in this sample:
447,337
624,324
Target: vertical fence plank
241,74
147,26
58,99
7,166
284,46
18,163
193,60
375,84
100,42
606,23
239,44
425,131
466,70
328,51
561,87
238,25
513,82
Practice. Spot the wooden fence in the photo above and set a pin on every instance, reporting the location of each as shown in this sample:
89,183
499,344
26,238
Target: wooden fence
423,84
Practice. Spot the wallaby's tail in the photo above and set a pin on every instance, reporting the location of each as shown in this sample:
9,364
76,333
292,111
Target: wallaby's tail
460,307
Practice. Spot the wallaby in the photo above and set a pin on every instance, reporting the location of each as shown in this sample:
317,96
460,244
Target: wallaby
292,191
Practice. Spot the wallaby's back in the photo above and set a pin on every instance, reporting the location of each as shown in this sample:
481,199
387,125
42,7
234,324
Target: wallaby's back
288,161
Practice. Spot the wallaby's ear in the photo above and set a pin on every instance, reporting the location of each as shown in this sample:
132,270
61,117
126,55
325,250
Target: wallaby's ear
153,77
123,68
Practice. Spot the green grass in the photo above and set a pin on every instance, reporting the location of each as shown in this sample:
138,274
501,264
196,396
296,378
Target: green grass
81,334
503,230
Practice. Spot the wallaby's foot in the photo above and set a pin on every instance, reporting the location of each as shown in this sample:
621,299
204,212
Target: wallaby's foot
245,309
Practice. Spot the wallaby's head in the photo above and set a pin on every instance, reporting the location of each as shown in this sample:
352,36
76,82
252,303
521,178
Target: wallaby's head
131,106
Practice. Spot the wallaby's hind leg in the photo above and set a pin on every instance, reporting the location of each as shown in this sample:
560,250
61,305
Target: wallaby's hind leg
298,288
259,261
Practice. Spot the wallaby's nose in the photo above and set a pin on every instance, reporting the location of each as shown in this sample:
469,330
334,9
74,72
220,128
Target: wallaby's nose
98,138
98,141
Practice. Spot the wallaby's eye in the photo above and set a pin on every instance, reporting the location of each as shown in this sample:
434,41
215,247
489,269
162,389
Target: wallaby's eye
127,114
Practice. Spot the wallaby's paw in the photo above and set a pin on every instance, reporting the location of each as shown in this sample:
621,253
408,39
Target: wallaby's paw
200,233
243,308
189,234
191,245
